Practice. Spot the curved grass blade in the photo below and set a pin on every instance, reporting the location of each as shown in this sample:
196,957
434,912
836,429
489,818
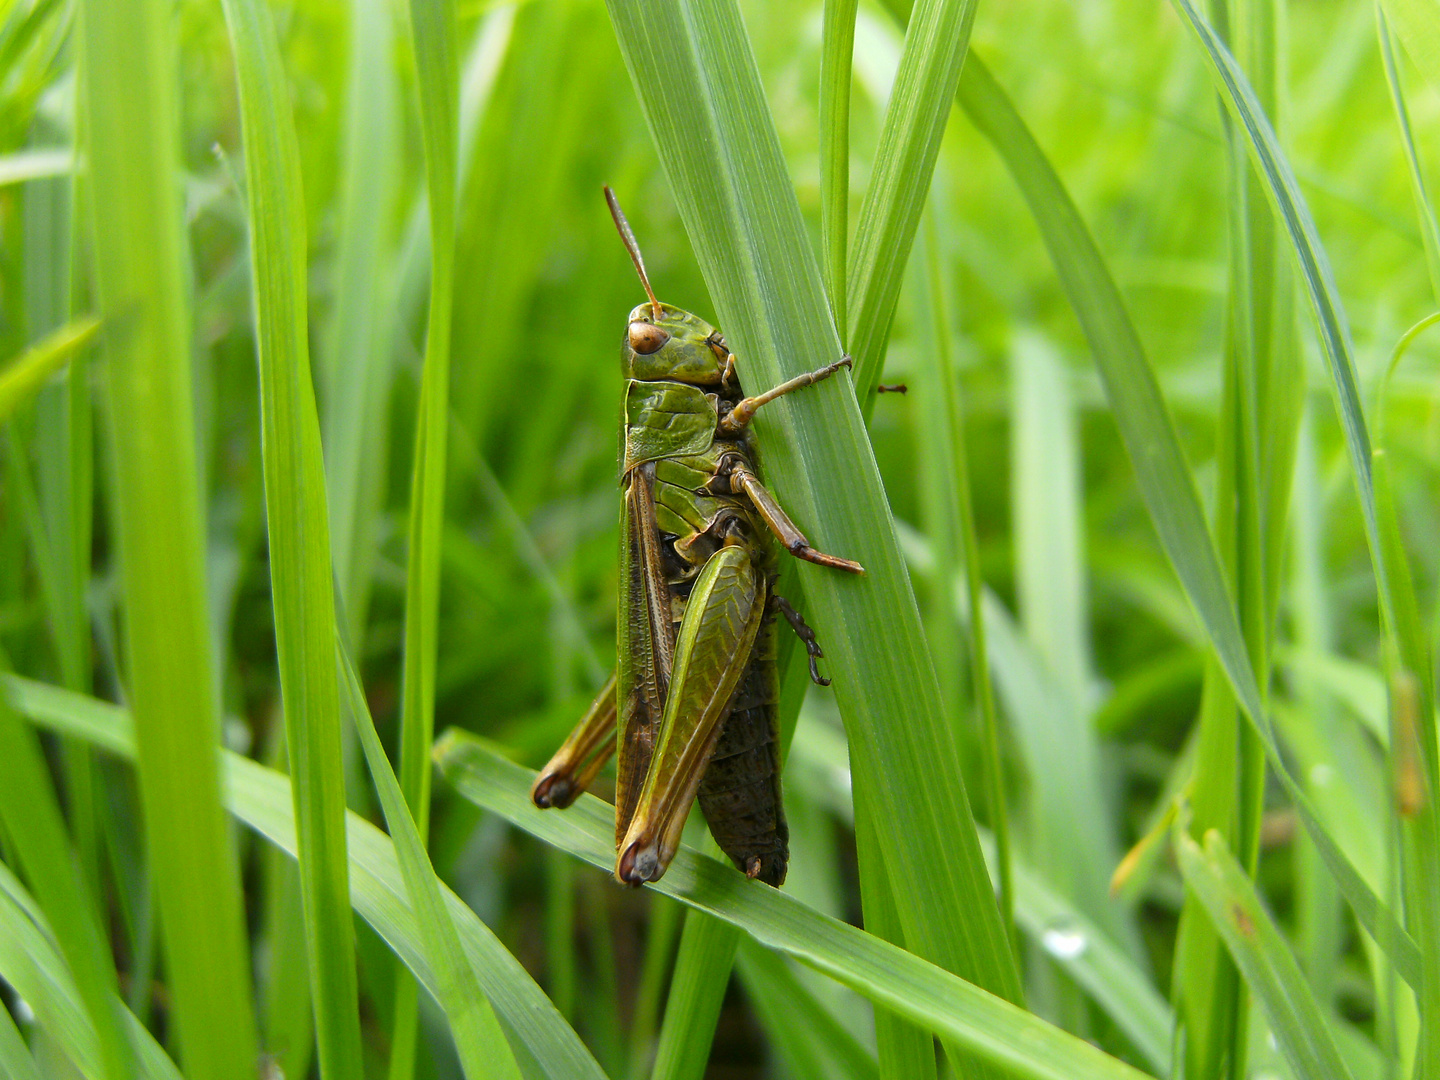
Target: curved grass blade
478,1039
23,377
1262,955
132,118
990,1029
299,529
1165,481
692,67
260,797
15,1059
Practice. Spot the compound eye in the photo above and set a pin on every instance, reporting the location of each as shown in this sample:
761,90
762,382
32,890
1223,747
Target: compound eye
646,338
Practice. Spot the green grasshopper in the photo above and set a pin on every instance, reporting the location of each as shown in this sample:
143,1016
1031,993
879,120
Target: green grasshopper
695,691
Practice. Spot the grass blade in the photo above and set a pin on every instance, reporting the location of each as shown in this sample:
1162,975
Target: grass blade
695,75
35,834
131,115
432,26
1164,478
23,376
260,797
991,1029
697,989
837,50
1395,590
936,38
478,1038
299,530
1261,953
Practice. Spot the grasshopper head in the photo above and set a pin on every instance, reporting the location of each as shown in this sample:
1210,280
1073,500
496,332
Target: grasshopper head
676,345
661,341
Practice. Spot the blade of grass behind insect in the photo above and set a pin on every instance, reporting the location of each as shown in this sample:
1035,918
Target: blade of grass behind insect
433,34
298,525
1403,630
903,1048
936,38
695,75
1165,481
1004,1036
702,971
479,1041
803,1032
1070,820
41,847
1262,954
260,797
22,377
836,54
131,117
357,357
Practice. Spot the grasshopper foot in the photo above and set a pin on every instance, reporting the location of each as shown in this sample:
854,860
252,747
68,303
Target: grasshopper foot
807,637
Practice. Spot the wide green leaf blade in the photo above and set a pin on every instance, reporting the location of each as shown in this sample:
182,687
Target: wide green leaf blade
987,1027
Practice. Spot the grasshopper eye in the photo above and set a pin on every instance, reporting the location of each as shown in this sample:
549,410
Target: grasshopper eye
646,338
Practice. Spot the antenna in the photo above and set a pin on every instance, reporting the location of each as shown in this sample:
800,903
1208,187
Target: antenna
631,246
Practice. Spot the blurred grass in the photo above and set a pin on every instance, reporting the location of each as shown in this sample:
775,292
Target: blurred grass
1103,273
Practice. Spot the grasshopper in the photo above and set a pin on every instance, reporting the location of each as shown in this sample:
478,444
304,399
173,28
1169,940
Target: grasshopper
691,706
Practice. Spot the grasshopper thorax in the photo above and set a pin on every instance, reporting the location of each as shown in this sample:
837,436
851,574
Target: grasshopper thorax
675,345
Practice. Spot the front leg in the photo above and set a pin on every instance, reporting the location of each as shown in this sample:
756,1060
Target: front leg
738,477
740,416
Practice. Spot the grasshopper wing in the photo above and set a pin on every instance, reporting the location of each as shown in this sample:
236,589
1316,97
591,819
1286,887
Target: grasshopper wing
712,650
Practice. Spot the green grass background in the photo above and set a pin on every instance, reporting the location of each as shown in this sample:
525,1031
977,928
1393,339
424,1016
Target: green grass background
1150,538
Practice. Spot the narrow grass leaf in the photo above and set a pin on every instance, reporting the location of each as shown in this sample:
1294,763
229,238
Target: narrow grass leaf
260,797
23,165
15,1059
295,509
23,376
1424,209
357,360
1392,579
837,50
1419,31
132,119
1165,481
990,1029
697,990
1262,954
35,833
695,75
936,38
811,1041
478,1039
31,963
433,33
